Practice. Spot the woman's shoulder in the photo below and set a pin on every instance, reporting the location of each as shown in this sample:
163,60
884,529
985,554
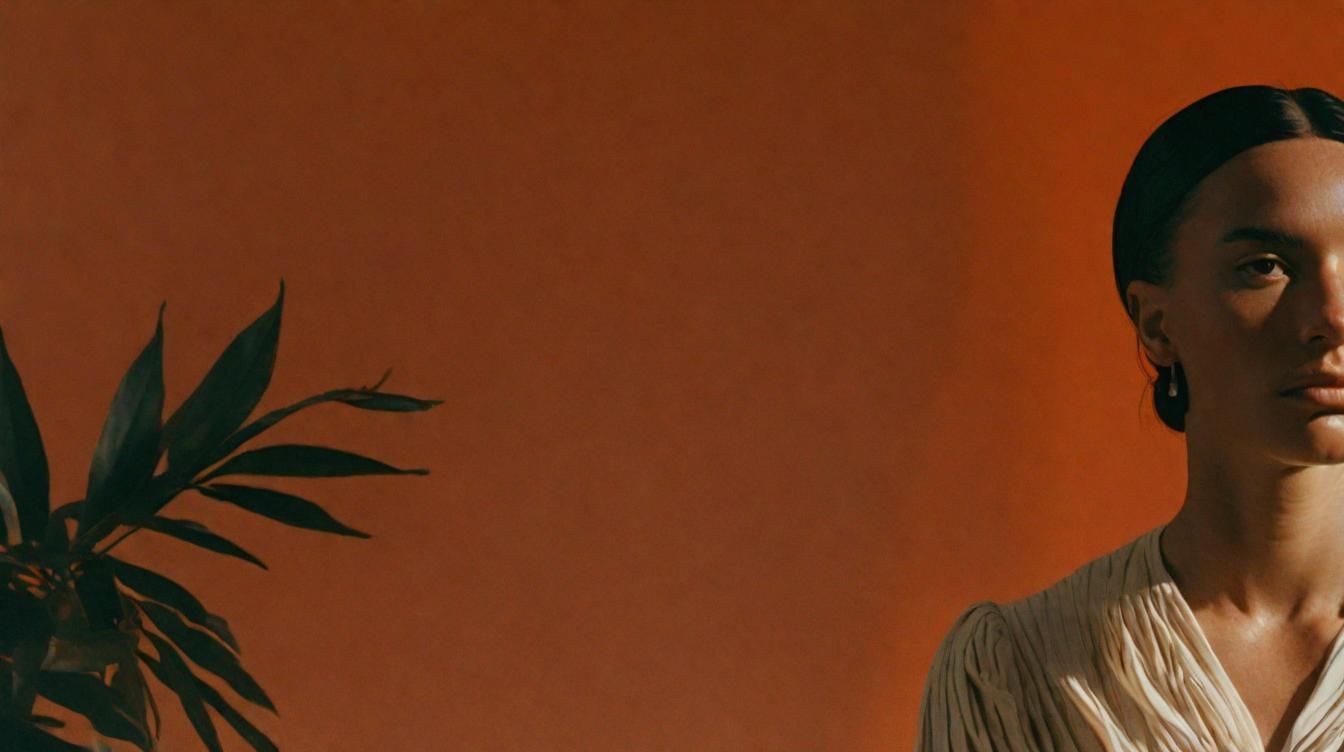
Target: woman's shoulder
973,698
991,682
979,644
979,626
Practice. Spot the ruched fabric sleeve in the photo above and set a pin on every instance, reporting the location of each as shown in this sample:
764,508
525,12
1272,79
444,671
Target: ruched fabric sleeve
973,693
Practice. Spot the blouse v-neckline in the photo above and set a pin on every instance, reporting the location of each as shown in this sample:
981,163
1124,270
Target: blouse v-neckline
1326,695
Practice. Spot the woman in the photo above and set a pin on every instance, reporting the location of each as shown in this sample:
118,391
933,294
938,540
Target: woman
1222,629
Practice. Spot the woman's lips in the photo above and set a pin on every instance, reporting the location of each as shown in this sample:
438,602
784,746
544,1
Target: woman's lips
1330,396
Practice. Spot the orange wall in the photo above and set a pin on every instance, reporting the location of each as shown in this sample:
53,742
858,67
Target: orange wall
771,336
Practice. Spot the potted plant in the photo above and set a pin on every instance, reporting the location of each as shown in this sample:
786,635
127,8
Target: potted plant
83,627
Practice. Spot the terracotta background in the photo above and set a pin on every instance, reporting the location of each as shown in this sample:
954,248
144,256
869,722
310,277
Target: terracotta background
771,335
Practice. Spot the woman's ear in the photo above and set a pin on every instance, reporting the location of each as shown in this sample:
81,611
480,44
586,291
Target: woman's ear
1147,303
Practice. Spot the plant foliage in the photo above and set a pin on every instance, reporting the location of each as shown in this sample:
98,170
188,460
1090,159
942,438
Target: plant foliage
82,628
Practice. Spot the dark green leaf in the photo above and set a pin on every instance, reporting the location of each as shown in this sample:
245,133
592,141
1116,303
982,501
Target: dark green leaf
388,402
251,734
159,588
89,697
302,460
134,614
25,736
229,392
98,594
23,461
128,448
129,684
154,708
173,672
281,507
207,653
200,535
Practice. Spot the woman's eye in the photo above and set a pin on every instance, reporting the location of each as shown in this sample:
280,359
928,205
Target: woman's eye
1262,267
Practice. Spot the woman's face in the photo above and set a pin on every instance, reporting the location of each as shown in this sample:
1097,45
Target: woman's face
1257,298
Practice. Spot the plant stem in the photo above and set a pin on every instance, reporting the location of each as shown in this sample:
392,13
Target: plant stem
123,537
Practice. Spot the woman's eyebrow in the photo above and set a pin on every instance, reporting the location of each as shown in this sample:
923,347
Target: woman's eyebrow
1264,235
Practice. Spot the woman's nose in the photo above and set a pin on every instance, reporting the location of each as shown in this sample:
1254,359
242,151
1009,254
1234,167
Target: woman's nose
1325,322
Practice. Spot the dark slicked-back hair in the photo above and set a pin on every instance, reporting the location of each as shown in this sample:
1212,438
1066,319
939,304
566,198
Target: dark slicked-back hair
1185,148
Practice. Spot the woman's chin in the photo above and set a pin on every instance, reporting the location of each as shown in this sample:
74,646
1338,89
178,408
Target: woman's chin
1323,441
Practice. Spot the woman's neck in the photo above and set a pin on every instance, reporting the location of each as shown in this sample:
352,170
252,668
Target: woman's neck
1264,540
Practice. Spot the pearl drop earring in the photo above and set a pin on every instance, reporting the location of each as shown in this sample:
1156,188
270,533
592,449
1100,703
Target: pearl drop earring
1171,385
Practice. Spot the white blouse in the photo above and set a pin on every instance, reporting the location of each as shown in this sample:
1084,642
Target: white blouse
1108,658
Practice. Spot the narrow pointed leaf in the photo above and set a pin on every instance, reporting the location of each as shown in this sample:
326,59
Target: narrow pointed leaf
23,460
25,736
154,708
128,448
250,734
229,392
388,402
129,684
156,587
363,398
200,535
303,460
207,653
282,507
86,695
173,672
134,614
